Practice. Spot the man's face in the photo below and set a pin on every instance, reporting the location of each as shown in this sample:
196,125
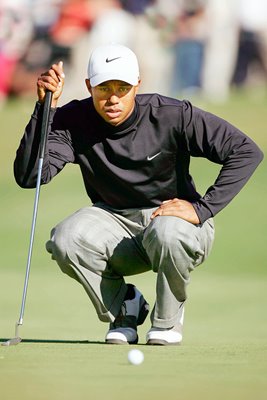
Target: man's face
113,100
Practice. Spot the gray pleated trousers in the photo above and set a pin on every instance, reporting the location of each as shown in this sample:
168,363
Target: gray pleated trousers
99,245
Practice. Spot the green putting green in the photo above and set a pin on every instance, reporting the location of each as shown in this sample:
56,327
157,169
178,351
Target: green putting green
62,355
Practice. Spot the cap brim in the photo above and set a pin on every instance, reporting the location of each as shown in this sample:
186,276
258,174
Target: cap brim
100,78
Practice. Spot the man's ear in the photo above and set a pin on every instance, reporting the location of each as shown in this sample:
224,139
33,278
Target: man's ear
137,86
89,87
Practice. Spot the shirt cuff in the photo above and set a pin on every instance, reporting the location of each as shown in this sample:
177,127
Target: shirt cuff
38,108
202,210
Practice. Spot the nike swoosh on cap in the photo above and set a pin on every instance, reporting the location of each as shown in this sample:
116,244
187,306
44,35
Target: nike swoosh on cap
111,59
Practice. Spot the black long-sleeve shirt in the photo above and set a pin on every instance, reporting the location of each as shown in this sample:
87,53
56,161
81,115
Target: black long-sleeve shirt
143,161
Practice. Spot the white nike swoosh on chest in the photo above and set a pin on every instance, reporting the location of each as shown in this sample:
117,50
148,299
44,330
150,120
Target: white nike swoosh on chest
149,158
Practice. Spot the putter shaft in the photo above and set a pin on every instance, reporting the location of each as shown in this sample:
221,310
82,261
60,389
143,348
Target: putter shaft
43,139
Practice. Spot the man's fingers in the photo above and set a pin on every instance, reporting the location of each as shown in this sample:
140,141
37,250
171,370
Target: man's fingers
62,75
57,71
177,208
52,80
161,208
167,201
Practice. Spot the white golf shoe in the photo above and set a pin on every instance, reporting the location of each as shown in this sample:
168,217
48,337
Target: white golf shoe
170,336
134,311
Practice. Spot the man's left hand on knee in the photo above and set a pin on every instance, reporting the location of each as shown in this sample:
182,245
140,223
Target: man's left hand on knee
177,208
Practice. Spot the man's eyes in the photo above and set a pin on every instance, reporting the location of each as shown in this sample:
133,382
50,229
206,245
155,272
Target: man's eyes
121,89
125,88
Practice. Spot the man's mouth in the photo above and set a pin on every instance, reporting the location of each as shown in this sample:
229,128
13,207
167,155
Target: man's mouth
113,113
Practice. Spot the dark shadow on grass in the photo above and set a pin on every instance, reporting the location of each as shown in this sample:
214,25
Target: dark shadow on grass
55,341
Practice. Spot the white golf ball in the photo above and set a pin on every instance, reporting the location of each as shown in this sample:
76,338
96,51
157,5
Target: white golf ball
135,357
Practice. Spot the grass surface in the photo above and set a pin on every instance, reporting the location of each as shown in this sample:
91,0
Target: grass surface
224,353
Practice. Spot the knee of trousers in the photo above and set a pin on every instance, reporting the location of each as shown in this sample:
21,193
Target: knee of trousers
72,243
172,237
58,245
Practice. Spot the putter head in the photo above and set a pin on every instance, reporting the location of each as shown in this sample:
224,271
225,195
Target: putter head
12,342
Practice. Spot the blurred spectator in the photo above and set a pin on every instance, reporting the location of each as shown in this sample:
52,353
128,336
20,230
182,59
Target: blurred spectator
189,47
183,46
252,41
74,21
42,14
15,34
45,14
136,7
109,23
221,49
126,23
153,48
55,36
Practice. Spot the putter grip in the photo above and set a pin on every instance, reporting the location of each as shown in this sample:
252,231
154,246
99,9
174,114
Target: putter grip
45,121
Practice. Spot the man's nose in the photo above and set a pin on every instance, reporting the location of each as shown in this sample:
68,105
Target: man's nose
114,98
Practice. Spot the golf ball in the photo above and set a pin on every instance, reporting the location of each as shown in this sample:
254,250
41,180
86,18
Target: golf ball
135,357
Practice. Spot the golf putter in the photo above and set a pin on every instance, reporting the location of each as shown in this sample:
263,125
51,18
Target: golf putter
43,139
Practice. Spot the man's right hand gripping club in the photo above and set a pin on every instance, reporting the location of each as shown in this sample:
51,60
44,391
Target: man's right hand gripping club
52,80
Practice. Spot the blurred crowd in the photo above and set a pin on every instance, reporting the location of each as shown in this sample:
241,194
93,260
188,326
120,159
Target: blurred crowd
184,47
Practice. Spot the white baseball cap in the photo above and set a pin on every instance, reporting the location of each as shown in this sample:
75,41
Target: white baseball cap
113,62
